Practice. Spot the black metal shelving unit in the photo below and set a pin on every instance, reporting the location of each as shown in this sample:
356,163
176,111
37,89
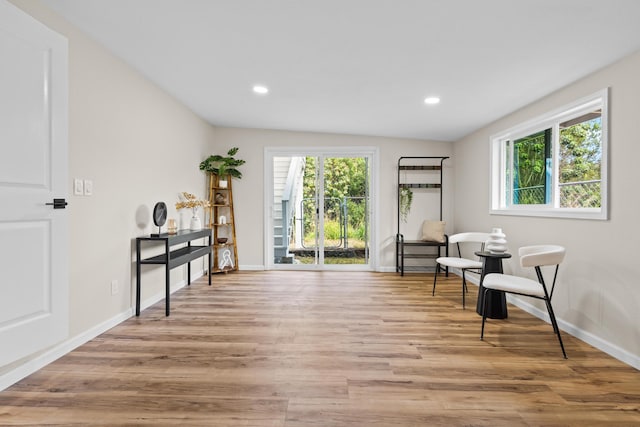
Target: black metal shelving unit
401,243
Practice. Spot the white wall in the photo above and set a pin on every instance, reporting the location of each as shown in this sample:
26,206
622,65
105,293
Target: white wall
249,191
598,295
139,146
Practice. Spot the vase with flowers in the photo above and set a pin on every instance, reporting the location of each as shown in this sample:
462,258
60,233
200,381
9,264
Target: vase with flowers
190,201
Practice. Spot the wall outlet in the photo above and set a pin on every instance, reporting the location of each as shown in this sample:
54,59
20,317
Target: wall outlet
78,187
114,287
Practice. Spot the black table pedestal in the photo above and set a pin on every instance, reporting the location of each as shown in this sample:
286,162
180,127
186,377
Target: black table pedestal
497,300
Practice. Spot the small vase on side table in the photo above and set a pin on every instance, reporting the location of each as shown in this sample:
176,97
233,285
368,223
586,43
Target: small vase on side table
195,224
497,243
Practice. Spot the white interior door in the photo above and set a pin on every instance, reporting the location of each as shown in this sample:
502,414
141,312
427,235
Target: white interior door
33,171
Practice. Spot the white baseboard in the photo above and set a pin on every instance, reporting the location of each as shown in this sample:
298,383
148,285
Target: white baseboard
146,303
57,351
251,267
591,339
48,356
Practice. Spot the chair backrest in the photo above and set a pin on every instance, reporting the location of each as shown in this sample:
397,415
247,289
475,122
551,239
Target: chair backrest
469,237
538,255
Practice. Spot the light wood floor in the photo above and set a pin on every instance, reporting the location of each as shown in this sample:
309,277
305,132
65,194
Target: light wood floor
326,349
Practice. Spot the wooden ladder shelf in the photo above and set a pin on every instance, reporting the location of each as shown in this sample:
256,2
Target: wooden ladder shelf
222,223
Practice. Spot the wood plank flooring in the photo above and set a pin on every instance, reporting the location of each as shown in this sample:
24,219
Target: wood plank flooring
327,349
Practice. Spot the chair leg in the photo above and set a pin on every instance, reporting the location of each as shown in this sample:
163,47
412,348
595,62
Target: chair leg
554,323
435,277
464,288
484,313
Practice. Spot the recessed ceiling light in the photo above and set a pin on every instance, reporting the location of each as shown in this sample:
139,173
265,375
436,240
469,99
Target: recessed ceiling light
432,100
261,90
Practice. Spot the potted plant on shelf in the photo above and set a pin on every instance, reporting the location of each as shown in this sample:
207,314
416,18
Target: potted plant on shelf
406,197
223,166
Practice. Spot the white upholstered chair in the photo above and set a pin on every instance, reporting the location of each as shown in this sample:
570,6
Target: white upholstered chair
466,244
530,256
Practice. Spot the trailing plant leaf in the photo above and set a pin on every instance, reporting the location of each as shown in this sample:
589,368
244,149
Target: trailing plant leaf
406,197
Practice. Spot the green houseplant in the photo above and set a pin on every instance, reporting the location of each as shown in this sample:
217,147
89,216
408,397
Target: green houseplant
406,197
223,165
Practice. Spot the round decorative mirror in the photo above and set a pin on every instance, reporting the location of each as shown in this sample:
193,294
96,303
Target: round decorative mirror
160,214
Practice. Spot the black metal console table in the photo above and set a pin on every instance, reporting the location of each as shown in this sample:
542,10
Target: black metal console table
173,258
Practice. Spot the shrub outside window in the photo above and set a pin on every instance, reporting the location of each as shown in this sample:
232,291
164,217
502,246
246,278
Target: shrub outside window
555,165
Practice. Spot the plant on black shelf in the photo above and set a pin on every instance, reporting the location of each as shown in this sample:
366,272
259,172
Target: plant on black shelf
406,197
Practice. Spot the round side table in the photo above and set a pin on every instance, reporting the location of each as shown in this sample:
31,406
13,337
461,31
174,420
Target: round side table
497,304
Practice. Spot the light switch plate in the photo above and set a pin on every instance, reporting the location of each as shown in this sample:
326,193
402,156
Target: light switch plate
78,187
88,187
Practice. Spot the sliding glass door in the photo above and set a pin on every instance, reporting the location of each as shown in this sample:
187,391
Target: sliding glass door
321,211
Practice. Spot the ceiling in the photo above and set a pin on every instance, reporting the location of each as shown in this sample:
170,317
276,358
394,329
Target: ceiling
360,66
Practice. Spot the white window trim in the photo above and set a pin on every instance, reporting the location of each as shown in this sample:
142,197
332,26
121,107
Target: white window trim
497,161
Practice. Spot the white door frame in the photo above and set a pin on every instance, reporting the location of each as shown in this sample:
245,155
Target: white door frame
372,153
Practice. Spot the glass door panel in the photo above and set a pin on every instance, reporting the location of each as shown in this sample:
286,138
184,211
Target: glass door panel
295,230
345,216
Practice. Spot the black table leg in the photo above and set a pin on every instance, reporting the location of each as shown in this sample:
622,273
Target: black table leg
210,261
496,300
167,280
137,277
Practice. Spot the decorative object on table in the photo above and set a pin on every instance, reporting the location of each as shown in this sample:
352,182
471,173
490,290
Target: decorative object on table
225,262
222,220
406,197
190,201
496,244
172,226
159,215
220,199
222,240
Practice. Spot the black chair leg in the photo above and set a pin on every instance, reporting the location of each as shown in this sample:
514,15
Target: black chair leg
554,323
435,277
464,288
484,313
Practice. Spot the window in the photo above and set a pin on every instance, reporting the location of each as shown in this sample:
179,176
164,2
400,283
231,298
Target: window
555,165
